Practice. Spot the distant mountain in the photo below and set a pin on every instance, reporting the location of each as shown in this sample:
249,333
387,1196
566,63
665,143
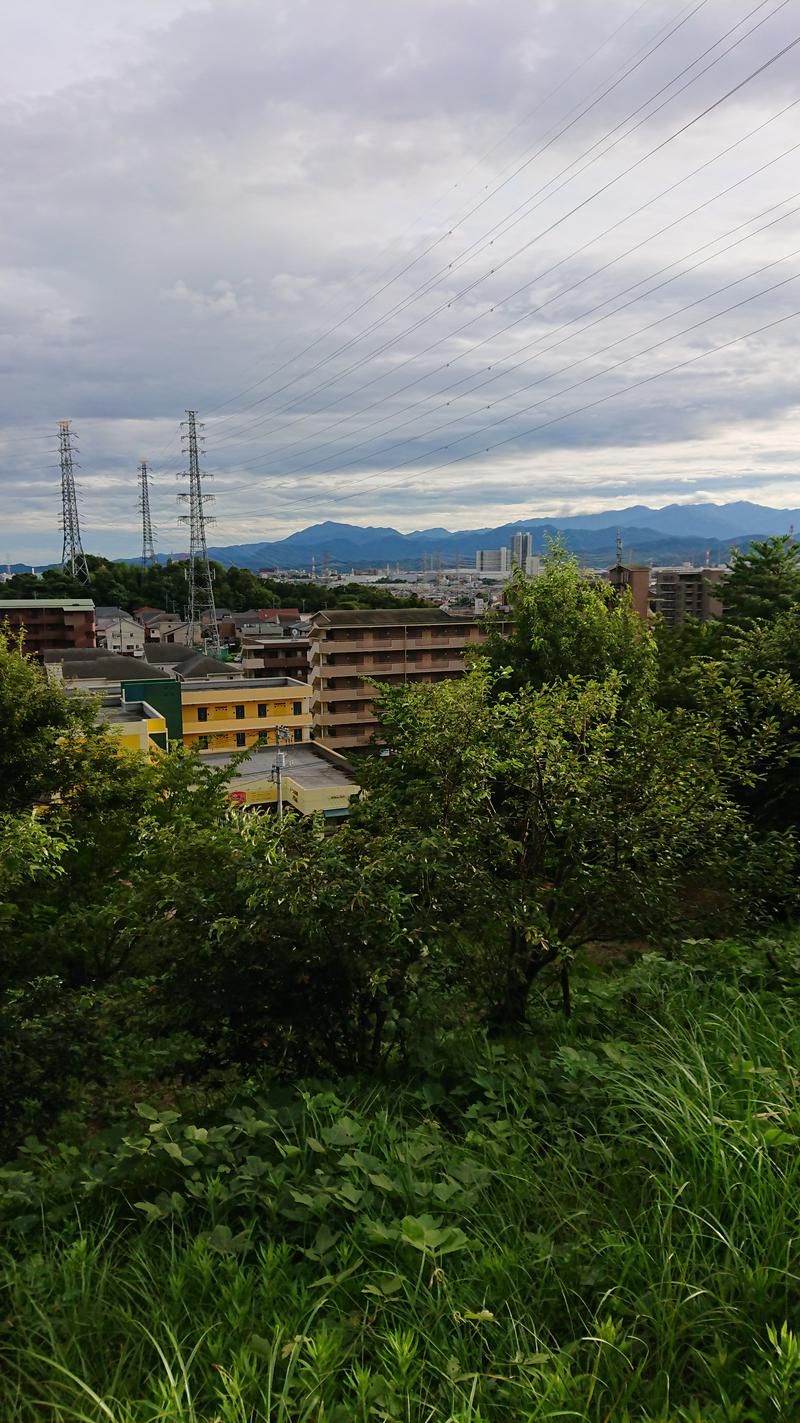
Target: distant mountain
672,534
676,532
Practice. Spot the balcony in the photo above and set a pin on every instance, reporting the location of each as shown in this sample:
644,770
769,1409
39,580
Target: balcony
349,718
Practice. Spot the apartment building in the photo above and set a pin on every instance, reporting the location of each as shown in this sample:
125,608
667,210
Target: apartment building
51,622
687,592
392,646
635,579
277,656
244,713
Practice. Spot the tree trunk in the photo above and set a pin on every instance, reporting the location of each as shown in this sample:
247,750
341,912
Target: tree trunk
566,996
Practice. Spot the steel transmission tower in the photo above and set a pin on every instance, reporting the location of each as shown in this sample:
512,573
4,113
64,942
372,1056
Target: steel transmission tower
148,550
201,586
73,558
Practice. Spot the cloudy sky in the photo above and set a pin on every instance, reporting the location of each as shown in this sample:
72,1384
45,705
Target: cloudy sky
430,263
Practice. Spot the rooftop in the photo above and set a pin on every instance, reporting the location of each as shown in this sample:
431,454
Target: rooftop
388,617
67,605
103,666
114,710
248,684
187,661
304,763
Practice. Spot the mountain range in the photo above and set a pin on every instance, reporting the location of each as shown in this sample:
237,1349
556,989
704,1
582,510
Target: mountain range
674,532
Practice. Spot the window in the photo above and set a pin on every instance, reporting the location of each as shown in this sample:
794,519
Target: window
297,708
263,738
298,733
262,709
240,713
202,742
241,739
202,713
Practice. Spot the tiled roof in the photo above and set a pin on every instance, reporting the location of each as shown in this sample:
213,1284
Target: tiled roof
389,617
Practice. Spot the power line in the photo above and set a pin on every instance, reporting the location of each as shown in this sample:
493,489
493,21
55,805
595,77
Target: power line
537,342
691,9
604,267
488,240
578,410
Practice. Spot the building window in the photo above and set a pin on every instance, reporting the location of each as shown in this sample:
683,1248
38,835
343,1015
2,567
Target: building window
263,738
240,713
262,708
241,739
298,733
202,742
297,708
202,713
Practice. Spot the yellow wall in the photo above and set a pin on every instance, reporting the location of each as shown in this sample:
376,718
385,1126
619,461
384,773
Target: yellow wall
136,736
222,724
308,801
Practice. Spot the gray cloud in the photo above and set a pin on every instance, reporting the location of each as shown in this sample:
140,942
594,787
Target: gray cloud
192,193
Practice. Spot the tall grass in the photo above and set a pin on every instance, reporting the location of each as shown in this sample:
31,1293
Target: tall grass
603,1230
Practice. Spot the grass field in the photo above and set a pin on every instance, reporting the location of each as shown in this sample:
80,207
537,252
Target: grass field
598,1221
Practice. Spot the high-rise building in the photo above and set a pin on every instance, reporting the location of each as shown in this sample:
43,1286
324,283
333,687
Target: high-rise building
687,592
493,560
521,549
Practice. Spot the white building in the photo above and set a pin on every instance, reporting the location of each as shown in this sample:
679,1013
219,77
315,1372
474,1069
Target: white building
493,560
117,631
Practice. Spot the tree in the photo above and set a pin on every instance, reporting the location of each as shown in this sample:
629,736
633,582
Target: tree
763,582
34,714
567,623
570,812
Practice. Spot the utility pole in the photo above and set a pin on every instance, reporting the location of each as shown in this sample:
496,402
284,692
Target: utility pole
148,550
201,586
281,734
73,558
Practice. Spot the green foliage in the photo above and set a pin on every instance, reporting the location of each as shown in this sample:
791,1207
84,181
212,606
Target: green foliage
568,624
34,714
129,586
596,1227
762,583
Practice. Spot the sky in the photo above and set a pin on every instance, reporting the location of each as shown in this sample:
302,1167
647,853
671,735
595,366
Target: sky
421,264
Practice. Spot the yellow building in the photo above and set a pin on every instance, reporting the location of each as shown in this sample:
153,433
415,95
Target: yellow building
238,714
314,780
136,726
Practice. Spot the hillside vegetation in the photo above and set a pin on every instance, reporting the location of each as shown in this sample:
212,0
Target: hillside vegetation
129,586
485,1107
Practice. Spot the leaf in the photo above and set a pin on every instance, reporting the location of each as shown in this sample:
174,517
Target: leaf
385,1286
224,1242
153,1212
382,1181
324,1241
425,1234
149,1113
345,1132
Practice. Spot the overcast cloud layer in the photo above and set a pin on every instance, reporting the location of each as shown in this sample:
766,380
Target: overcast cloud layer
439,262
